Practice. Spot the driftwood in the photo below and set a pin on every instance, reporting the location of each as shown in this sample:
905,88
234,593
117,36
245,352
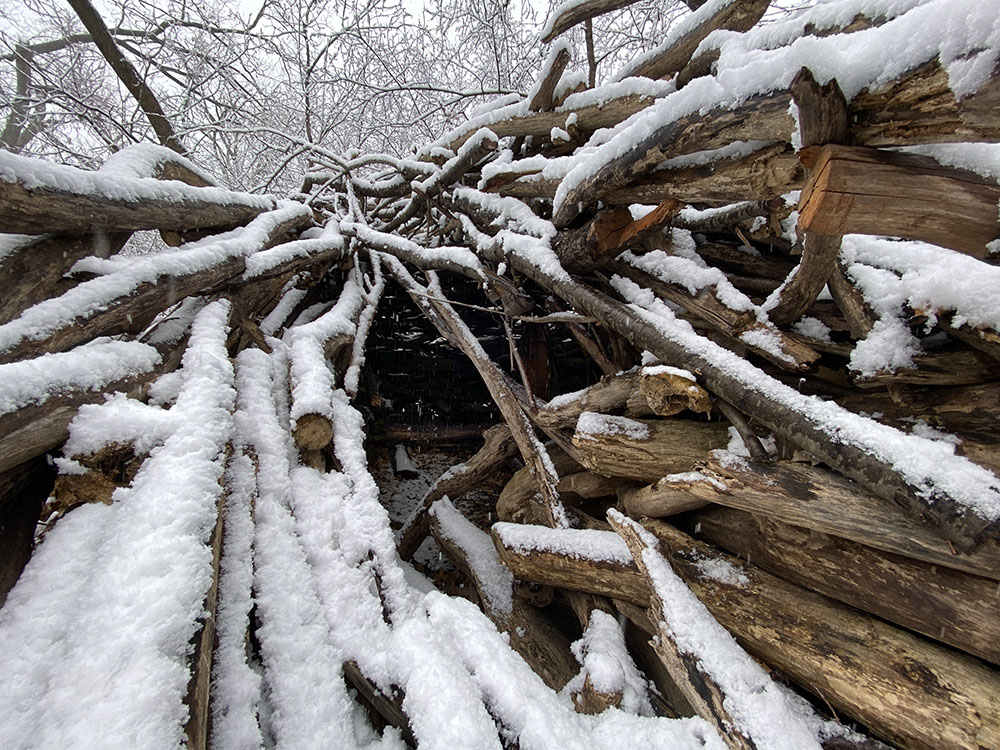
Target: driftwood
956,608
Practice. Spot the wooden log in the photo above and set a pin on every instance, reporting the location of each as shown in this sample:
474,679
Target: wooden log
388,707
665,497
973,408
669,391
498,446
822,120
569,15
23,490
45,208
610,232
919,107
854,190
706,304
956,608
736,15
767,173
670,446
913,693
542,646
542,100
135,307
816,499
937,368
610,394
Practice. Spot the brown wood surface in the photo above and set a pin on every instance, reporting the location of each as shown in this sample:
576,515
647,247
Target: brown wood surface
580,12
956,608
855,190
673,446
542,101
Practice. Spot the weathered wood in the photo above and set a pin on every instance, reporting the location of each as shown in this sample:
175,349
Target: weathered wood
855,190
816,499
956,608
973,408
937,368
669,392
542,646
672,446
772,406
44,209
665,497
918,107
389,707
498,446
911,692
610,394
700,688
737,15
542,100
571,15
198,698
515,500
23,490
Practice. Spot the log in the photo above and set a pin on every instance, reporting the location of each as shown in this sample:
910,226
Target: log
610,394
974,408
32,206
669,391
389,707
919,107
610,232
737,15
542,100
670,446
913,693
816,499
544,648
137,304
766,401
938,368
854,190
666,497
569,15
822,120
946,605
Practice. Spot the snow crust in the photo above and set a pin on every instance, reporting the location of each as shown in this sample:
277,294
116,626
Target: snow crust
577,544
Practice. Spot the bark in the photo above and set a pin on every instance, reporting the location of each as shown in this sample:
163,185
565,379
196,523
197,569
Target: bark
673,446
956,608
577,13
666,497
23,490
127,74
388,707
542,100
737,15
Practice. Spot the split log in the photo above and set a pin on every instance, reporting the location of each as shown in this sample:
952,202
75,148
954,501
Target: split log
29,205
544,648
736,15
919,107
645,450
854,190
498,446
822,120
956,608
23,490
816,499
608,234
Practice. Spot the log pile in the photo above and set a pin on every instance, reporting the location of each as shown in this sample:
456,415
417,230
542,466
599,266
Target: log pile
783,476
